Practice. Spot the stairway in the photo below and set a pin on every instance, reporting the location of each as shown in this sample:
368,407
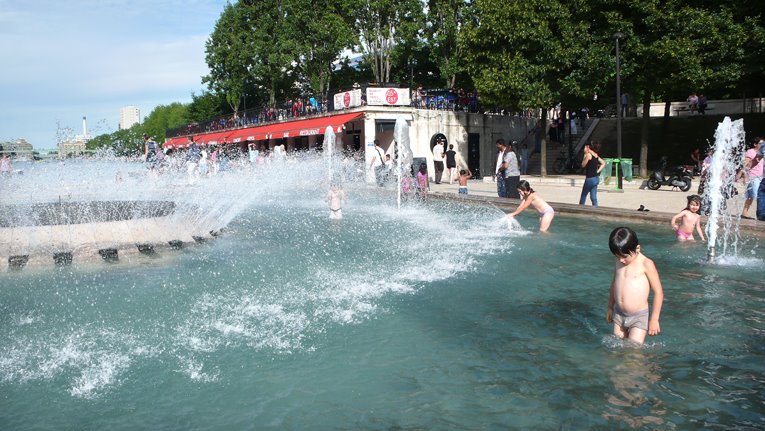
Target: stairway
555,149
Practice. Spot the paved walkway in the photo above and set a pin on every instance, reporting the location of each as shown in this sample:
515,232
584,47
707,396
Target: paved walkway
568,188
563,191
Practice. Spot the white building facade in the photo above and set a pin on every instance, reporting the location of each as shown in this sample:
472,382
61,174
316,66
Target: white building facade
129,116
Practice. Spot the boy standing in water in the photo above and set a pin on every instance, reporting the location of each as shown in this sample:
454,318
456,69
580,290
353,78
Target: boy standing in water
634,277
335,199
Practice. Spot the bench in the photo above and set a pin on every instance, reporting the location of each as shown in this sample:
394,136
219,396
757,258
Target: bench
684,108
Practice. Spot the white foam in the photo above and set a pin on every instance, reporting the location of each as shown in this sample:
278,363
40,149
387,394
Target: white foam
101,374
193,370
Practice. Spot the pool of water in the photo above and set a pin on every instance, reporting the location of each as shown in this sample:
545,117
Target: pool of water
434,316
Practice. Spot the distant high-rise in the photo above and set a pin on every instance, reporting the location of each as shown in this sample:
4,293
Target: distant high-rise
129,115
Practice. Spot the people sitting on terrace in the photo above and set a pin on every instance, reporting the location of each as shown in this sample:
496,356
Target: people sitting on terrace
450,99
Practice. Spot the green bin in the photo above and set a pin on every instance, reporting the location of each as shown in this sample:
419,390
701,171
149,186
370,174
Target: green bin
627,167
605,174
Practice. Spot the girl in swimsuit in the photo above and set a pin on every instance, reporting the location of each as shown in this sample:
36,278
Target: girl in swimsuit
687,220
530,197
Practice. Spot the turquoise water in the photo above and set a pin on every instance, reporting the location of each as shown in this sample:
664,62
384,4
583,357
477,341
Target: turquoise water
432,317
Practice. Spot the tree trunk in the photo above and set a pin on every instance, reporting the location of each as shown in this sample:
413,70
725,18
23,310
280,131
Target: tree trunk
665,124
644,133
543,148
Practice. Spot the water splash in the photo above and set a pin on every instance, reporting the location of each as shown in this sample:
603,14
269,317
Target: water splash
330,148
404,156
727,158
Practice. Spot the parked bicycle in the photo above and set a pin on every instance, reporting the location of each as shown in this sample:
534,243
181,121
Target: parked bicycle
566,163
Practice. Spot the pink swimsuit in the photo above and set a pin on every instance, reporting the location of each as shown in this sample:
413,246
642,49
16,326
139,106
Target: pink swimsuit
683,235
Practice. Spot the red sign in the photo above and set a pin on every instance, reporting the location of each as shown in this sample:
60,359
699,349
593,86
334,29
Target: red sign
391,96
387,96
347,99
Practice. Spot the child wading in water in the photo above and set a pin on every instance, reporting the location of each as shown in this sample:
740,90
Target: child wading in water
422,181
687,220
335,199
463,179
530,197
634,277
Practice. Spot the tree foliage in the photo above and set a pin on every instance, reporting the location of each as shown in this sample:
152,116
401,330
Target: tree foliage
325,31
128,142
523,53
446,19
227,55
254,47
381,26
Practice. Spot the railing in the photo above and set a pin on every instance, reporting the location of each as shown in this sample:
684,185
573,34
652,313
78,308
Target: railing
436,99
250,117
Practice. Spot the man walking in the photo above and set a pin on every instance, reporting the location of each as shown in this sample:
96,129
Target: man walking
438,158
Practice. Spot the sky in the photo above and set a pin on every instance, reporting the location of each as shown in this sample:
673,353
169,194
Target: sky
64,60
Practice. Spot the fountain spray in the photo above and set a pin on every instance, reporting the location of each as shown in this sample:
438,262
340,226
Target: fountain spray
329,151
721,181
404,153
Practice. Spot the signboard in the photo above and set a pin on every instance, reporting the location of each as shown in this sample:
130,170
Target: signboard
388,96
348,99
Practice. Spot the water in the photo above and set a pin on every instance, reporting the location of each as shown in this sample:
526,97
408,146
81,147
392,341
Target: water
727,159
434,316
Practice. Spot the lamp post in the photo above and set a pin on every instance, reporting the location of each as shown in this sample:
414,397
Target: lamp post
617,36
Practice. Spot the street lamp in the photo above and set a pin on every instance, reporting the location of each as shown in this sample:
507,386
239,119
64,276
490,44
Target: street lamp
617,36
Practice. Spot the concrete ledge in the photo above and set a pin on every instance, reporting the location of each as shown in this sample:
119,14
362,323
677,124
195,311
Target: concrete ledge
747,227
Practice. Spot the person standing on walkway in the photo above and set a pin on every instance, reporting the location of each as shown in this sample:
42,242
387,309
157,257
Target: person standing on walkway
753,166
438,159
592,165
451,162
524,159
499,170
512,172
625,104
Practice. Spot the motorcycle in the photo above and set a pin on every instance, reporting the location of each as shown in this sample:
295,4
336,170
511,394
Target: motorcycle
680,177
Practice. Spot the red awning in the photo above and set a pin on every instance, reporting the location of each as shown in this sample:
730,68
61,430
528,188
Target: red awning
177,142
213,138
307,127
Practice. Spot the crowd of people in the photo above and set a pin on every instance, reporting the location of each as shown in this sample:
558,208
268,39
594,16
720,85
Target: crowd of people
293,108
450,99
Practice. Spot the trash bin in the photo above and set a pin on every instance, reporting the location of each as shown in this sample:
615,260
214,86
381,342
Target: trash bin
627,169
605,174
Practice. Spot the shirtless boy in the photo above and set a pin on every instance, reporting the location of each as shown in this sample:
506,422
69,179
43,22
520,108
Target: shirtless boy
635,276
687,220
335,199
465,175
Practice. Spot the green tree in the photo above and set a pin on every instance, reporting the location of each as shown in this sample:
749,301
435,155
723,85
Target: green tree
671,48
272,43
165,117
206,106
381,25
323,30
125,142
445,20
526,54
227,55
